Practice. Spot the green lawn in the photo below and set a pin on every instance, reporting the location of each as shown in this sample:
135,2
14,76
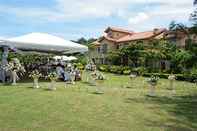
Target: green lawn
119,109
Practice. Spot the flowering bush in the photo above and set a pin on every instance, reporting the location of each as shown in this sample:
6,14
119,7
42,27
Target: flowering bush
35,74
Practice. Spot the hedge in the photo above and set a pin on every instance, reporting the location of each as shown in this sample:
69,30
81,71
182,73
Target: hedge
180,77
126,70
144,72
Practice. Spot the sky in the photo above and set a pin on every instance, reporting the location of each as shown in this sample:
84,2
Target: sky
72,19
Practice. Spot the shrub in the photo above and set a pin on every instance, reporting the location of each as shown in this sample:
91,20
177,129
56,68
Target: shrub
104,68
127,72
116,69
139,70
80,66
160,75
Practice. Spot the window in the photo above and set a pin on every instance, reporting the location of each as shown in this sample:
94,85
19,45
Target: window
110,34
117,46
98,49
173,39
104,48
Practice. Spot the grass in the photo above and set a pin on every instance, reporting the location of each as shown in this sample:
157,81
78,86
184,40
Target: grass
79,108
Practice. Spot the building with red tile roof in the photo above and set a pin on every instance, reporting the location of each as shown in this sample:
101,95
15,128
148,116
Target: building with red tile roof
115,38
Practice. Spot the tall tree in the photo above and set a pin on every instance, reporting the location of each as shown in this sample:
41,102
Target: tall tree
81,40
134,52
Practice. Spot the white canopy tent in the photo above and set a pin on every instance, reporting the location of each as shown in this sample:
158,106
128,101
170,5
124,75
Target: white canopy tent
43,42
72,58
65,58
39,42
57,57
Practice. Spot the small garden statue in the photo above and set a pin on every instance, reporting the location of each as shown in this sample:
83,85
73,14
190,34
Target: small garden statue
153,80
172,78
35,75
53,77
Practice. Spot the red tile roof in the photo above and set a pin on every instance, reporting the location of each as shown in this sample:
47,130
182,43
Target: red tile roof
156,33
118,30
142,35
96,43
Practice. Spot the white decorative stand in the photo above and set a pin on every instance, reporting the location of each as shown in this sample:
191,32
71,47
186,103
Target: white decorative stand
72,78
172,78
86,76
152,89
52,85
98,86
92,81
35,84
172,86
14,77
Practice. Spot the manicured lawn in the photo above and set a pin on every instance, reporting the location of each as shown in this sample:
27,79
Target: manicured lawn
119,109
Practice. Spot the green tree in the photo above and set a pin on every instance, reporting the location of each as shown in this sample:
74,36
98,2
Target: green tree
135,52
114,57
182,59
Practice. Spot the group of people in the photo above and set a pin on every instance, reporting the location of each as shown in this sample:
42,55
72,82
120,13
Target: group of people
68,72
65,71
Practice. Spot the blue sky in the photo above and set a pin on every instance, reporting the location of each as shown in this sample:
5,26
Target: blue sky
72,19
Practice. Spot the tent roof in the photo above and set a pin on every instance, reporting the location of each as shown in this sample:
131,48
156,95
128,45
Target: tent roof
45,42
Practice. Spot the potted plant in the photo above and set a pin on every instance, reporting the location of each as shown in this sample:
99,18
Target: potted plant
153,81
99,78
195,82
35,75
53,77
92,79
172,78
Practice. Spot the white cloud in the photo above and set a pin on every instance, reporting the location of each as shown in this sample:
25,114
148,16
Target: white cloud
161,15
139,18
137,14
66,10
3,37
